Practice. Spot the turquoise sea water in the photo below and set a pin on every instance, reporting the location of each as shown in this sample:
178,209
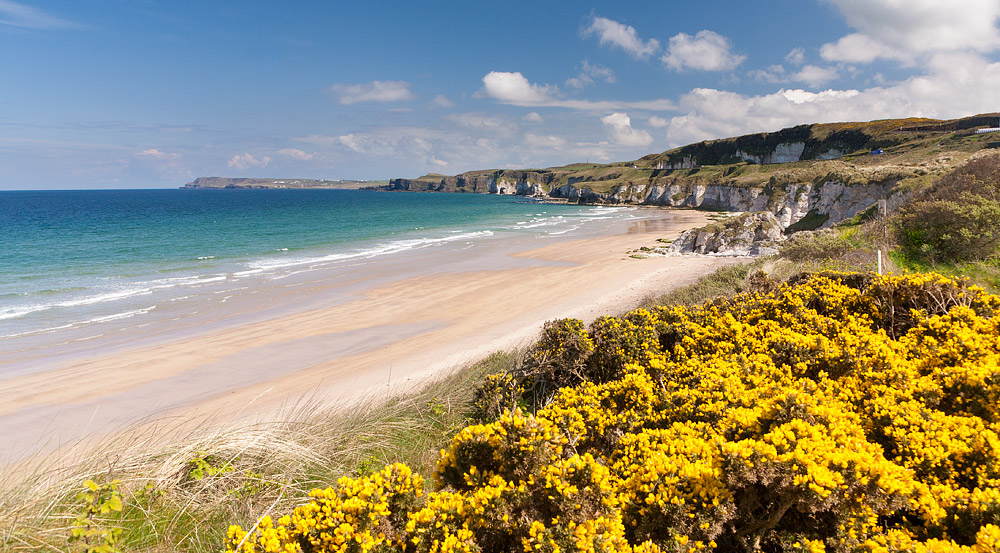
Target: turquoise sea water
69,259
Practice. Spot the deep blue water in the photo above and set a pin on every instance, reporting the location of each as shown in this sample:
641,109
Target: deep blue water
72,257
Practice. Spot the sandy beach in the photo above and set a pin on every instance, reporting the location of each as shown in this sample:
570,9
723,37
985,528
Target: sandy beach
338,339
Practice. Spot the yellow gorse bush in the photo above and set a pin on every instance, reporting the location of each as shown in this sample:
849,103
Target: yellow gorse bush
841,412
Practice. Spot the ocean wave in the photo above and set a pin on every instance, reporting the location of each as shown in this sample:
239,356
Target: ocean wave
126,291
396,246
76,324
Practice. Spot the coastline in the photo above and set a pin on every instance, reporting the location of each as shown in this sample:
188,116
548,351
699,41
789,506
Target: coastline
342,341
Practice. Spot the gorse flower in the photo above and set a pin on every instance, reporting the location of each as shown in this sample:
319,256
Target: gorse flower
842,412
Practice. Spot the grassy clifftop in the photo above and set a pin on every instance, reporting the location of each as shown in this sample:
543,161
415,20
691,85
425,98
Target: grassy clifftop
912,149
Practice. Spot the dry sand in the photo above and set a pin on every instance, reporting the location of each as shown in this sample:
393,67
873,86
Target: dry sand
390,336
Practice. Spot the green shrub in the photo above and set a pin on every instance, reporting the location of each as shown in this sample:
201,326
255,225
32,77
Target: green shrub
957,219
964,229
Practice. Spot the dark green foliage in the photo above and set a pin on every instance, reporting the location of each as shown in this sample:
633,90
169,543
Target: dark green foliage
957,219
951,231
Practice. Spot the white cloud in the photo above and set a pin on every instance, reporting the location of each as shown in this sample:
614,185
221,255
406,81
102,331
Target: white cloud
296,154
796,57
154,153
442,101
657,122
623,36
19,15
815,76
246,161
773,74
533,117
375,91
515,89
858,48
705,51
904,30
812,75
589,73
619,127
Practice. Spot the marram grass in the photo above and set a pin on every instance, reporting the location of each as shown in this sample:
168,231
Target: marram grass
181,493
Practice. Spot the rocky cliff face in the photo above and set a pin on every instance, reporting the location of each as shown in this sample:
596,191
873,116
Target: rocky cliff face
823,201
831,200
521,183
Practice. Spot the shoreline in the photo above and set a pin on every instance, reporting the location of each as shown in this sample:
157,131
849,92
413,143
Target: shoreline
373,335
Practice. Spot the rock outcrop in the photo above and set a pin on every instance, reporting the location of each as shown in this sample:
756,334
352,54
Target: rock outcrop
747,234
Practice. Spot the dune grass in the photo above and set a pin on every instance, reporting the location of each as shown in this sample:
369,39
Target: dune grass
182,495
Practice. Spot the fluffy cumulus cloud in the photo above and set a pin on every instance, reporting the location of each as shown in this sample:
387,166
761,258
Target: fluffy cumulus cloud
705,51
247,161
295,154
375,91
906,30
619,127
613,33
657,122
514,88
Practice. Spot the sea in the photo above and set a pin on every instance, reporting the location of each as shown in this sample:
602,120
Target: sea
79,265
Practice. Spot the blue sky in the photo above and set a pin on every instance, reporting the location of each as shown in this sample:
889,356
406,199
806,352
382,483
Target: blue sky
147,94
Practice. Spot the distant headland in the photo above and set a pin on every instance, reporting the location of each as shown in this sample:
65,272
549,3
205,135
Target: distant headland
249,183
